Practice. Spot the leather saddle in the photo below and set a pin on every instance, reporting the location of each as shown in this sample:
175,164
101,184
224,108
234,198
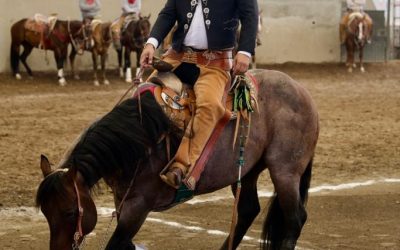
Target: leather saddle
43,25
178,99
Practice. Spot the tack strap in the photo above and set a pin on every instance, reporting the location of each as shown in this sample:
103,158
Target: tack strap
78,232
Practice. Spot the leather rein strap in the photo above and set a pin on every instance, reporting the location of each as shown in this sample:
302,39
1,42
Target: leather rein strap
78,232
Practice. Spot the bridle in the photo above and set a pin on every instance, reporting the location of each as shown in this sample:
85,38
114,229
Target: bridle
73,41
78,231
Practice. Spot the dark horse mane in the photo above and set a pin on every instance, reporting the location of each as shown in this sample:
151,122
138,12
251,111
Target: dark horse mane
114,144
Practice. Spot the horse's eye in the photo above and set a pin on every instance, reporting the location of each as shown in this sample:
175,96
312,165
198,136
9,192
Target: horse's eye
70,214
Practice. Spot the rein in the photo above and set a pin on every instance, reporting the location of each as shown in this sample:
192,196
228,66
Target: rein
78,232
80,52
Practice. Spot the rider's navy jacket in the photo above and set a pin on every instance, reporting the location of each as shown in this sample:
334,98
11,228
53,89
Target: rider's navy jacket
221,19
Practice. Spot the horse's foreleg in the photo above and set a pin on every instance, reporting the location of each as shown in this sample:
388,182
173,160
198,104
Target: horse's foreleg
72,56
132,216
60,57
104,57
350,58
94,60
248,207
361,55
138,54
25,54
120,67
128,70
14,60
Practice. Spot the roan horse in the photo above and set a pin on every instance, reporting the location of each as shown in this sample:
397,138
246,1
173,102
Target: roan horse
63,33
101,34
133,37
128,151
358,33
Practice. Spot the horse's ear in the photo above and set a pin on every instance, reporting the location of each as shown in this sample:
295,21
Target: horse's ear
45,165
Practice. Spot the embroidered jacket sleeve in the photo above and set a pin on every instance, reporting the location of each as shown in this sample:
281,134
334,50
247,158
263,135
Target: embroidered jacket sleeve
248,15
165,21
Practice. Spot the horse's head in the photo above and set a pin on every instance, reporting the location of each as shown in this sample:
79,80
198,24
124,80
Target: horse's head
65,201
359,28
81,34
106,35
142,31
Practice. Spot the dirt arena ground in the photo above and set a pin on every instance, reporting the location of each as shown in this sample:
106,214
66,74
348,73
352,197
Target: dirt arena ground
359,146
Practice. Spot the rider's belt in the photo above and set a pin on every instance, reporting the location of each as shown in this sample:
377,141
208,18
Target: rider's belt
213,58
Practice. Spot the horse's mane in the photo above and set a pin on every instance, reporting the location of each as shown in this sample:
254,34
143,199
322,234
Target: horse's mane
113,145
116,142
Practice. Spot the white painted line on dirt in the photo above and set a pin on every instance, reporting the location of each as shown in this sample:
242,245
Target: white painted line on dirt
106,211
199,229
324,187
350,185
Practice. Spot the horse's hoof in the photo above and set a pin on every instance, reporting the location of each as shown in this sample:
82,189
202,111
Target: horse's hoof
18,76
96,83
350,70
106,82
77,77
62,82
128,80
354,65
121,73
362,70
140,247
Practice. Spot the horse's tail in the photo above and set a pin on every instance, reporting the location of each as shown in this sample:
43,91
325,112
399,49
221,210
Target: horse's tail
273,228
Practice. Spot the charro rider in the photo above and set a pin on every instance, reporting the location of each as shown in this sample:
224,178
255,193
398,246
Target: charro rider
90,9
204,40
352,6
131,10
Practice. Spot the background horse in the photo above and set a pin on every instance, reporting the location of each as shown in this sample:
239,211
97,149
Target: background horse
133,37
358,33
129,151
101,35
57,40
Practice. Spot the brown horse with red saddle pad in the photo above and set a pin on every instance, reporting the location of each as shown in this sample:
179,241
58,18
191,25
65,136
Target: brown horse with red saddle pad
129,146
55,36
